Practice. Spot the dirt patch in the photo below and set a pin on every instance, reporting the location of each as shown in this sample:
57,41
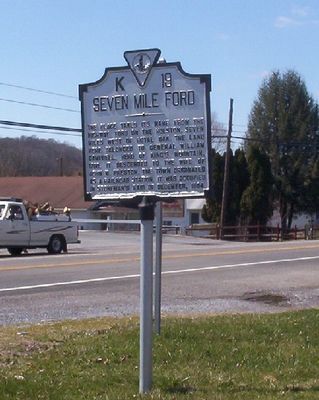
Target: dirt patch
266,298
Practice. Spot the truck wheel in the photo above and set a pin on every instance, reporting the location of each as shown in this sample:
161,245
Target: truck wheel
15,251
56,244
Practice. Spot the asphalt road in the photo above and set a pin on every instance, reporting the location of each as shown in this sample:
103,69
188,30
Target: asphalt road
101,277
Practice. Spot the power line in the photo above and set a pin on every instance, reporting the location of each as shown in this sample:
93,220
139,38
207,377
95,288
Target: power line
38,105
240,131
279,143
218,130
38,131
38,90
37,126
241,125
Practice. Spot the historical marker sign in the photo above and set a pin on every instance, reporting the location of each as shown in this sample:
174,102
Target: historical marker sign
146,130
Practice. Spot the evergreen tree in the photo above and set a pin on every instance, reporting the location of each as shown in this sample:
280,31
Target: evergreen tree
256,202
312,189
212,208
238,181
284,124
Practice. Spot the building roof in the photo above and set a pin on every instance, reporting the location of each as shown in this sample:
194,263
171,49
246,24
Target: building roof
59,191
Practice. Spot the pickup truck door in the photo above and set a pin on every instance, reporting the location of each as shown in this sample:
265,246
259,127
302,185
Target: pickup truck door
15,228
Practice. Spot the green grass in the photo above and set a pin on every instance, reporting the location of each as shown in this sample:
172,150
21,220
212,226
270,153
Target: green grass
249,357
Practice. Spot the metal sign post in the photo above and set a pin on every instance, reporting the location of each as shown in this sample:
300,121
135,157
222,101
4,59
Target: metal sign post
158,268
146,134
146,294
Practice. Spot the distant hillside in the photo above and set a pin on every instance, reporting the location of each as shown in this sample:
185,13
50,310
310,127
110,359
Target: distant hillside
30,156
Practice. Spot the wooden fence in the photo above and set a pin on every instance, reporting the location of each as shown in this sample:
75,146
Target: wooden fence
253,232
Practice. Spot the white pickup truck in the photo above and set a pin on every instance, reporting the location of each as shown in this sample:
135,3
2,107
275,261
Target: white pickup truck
18,231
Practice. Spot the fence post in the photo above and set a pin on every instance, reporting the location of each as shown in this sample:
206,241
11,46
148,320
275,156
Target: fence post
278,232
312,231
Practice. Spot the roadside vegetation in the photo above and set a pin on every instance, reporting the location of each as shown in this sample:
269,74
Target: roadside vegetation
269,356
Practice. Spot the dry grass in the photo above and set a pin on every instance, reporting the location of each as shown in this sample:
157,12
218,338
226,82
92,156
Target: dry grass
220,357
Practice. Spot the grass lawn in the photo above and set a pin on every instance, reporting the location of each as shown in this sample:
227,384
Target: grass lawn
248,357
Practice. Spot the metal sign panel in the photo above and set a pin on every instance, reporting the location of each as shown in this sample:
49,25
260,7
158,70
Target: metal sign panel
146,130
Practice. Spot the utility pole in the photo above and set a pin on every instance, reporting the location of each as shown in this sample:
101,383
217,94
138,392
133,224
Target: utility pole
226,172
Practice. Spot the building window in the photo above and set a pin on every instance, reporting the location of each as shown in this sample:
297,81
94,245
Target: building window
167,223
194,218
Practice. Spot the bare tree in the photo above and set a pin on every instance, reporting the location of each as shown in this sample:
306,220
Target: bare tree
219,134
30,156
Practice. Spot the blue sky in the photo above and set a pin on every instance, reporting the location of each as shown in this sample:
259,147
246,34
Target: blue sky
56,45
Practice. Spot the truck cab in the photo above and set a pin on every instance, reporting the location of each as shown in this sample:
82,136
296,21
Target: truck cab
14,225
